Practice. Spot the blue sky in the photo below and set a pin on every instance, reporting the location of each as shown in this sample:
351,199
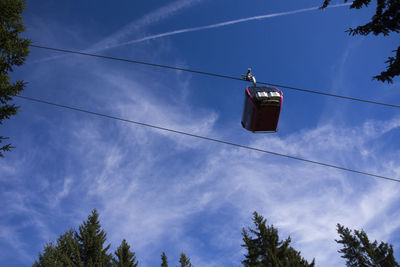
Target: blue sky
172,193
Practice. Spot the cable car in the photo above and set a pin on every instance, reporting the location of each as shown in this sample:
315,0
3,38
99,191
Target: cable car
262,107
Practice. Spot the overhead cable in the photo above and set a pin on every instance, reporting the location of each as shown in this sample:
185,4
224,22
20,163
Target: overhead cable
214,74
208,138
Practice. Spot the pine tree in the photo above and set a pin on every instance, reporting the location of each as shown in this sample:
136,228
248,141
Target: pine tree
69,247
265,248
125,258
65,253
185,261
91,241
164,260
13,52
359,251
49,258
385,20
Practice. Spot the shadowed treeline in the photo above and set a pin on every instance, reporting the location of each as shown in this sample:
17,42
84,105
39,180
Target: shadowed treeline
87,247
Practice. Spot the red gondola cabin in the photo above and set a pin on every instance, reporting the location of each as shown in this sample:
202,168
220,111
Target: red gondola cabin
262,106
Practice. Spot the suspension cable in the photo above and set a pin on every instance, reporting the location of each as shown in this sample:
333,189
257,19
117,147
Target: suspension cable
208,138
213,74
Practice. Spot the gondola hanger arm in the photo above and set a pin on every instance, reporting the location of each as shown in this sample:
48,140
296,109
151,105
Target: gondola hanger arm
250,77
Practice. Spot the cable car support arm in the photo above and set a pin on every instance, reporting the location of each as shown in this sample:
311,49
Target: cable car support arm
250,77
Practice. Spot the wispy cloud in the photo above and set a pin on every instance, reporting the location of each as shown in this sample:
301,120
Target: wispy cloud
301,200
153,194
163,191
64,192
148,191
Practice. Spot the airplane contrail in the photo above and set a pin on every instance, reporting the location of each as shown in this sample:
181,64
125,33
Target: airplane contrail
151,18
199,28
114,39
222,24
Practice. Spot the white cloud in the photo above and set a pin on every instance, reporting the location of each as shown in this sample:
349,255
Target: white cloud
152,188
63,193
151,203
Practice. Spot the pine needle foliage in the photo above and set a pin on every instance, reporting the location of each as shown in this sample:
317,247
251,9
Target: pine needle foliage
185,261
359,251
164,260
125,257
49,258
64,253
385,20
91,240
265,249
13,52
86,248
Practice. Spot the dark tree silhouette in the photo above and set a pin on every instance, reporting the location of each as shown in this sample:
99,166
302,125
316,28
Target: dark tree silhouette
91,240
359,251
13,52
64,253
125,257
265,249
164,260
385,21
185,261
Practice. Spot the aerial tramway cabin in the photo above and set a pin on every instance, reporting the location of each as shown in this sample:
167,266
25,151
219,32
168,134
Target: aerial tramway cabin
262,106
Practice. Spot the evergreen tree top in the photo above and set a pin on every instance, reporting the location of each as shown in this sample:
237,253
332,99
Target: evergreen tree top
125,257
91,239
164,260
185,261
265,249
359,251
